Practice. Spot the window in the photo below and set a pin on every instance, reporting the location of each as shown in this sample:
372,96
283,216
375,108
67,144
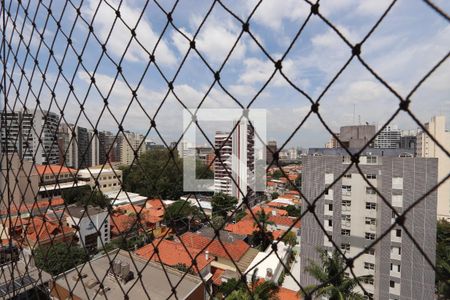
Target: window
370,236
370,251
330,207
346,218
370,191
346,188
345,232
398,233
326,189
346,203
395,268
369,266
371,206
371,176
371,159
368,281
330,223
345,246
392,284
370,221
347,176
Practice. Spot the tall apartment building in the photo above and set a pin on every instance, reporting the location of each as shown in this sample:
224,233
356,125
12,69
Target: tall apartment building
408,140
109,150
353,214
31,135
238,157
426,147
271,148
129,143
78,147
388,138
333,143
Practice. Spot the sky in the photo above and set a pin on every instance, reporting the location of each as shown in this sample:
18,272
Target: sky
403,48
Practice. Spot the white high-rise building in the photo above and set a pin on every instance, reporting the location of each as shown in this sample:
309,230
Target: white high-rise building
238,157
31,135
426,147
388,138
129,143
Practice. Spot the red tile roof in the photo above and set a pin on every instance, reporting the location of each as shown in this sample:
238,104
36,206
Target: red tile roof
172,253
53,169
286,294
284,221
39,230
217,276
245,227
28,207
277,233
236,249
269,210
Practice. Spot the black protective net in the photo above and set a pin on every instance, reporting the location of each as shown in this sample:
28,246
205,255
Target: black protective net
48,49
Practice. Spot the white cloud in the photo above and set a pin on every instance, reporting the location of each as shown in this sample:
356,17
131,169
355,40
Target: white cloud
272,13
121,34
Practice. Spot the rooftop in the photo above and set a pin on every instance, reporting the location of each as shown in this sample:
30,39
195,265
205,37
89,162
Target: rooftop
81,211
235,249
154,283
53,170
172,253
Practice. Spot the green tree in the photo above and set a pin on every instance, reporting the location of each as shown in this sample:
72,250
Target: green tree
275,195
156,173
178,215
262,238
58,258
73,195
330,271
203,171
84,195
293,211
238,290
222,204
443,259
217,222
290,238
277,174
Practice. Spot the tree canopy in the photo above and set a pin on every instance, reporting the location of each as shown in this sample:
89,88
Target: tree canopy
222,204
84,195
155,174
58,258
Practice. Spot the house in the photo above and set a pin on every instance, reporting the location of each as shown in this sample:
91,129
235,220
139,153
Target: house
92,225
266,265
230,250
175,254
108,179
119,273
31,232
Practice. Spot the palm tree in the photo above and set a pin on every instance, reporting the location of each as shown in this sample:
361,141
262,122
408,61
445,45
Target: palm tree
256,290
263,237
330,272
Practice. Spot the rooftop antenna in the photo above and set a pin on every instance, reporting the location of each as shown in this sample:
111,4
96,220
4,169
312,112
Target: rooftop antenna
354,110
359,119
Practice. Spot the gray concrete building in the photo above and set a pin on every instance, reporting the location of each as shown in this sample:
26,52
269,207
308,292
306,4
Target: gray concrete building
31,135
356,136
354,215
389,137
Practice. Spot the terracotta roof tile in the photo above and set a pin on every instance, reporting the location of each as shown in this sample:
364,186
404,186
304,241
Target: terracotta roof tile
244,227
53,169
236,249
172,253
217,276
